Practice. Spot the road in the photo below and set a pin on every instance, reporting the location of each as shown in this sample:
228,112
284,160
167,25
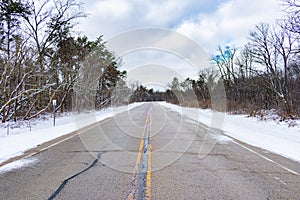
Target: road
151,153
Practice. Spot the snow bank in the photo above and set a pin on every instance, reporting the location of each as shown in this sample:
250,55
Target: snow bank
17,164
270,135
267,134
26,136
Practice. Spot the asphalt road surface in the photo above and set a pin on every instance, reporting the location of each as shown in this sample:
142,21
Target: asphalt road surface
151,153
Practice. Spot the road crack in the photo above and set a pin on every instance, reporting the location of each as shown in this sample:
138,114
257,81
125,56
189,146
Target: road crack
63,184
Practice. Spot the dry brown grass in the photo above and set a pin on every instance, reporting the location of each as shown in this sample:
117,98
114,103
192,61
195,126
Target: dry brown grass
234,107
196,104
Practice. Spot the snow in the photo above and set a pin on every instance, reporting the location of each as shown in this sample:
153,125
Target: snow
17,164
272,135
23,137
268,134
222,139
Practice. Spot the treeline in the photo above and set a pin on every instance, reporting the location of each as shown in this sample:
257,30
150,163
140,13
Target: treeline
142,94
263,74
41,58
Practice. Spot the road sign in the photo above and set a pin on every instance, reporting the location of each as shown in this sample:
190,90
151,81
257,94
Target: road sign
54,102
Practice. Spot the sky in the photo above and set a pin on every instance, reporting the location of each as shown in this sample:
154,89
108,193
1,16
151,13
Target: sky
207,23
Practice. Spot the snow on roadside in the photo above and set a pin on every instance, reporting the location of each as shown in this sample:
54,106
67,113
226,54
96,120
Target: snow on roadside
23,138
17,164
271,135
222,139
267,134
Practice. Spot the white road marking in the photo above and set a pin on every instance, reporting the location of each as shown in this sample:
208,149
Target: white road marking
262,156
268,159
56,143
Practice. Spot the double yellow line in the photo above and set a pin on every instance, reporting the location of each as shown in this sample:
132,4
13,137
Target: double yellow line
148,176
147,127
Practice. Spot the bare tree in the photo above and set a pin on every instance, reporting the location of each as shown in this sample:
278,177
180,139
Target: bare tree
225,62
244,62
12,55
49,23
272,49
292,8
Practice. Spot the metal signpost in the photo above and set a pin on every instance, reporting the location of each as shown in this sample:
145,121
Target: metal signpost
54,105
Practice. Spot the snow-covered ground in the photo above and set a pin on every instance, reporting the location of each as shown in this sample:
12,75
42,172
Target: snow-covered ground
17,164
17,138
268,134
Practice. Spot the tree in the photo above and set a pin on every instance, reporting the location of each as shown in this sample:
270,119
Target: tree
64,67
293,16
244,62
12,56
97,78
50,22
140,94
10,22
175,84
225,62
273,49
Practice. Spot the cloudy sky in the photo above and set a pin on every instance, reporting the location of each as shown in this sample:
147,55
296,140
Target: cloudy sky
209,23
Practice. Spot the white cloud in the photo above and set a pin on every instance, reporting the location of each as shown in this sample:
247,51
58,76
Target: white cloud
209,23
164,12
230,23
110,17
111,9
147,62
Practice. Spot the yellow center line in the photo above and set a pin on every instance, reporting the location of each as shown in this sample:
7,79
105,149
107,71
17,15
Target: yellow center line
139,156
148,177
140,148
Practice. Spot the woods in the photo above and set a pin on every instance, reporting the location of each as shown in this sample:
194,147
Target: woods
40,57
262,74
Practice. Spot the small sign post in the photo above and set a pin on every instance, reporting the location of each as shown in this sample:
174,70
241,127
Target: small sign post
54,105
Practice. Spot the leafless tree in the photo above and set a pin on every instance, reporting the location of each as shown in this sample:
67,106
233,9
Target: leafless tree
292,8
50,22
